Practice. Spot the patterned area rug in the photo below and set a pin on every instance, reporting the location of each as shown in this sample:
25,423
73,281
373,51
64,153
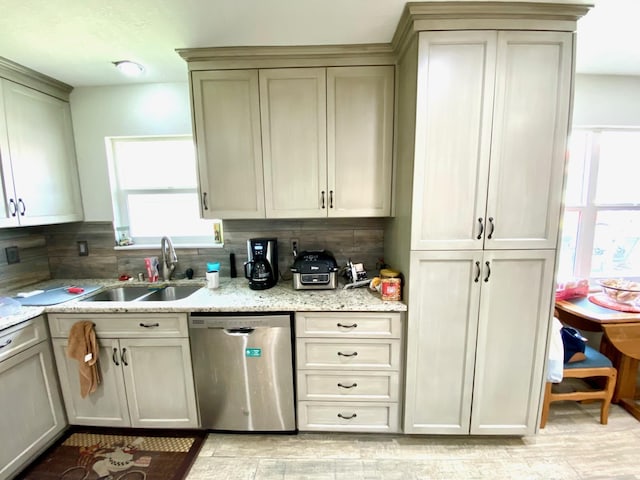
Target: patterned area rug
108,454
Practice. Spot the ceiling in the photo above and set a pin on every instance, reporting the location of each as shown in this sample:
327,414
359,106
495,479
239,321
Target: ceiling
77,41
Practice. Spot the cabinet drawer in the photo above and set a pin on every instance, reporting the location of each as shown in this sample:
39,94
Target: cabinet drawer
348,416
321,353
352,325
22,336
129,325
348,386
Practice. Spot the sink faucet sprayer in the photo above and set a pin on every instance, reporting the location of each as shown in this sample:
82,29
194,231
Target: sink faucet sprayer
169,258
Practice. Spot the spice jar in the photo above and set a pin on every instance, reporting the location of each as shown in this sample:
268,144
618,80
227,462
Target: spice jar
390,285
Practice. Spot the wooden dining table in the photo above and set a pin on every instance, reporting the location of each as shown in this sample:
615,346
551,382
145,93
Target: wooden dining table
620,342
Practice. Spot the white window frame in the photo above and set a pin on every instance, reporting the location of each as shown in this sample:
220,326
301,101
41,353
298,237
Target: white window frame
119,197
588,209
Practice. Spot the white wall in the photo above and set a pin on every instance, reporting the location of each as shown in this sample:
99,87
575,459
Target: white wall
607,100
129,110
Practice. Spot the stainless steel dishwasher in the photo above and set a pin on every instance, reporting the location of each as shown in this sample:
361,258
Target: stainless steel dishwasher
243,369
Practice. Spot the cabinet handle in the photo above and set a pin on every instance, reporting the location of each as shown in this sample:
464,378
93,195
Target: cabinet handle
114,357
478,271
341,325
353,415
479,237
354,354
322,195
330,198
124,358
486,279
23,210
204,201
353,385
13,208
493,227
149,325
6,344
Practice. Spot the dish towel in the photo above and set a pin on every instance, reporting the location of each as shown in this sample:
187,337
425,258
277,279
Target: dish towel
83,347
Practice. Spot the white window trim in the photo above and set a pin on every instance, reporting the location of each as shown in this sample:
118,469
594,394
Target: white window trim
588,210
119,201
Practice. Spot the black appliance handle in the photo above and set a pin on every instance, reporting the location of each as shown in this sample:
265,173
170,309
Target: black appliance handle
247,273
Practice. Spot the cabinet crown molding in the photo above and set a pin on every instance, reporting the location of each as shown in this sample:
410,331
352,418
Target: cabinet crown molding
209,58
17,73
490,15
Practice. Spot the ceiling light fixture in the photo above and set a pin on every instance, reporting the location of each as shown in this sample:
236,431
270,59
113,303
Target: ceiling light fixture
129,68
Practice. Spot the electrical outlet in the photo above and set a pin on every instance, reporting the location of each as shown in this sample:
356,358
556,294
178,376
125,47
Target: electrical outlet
13,255
83,248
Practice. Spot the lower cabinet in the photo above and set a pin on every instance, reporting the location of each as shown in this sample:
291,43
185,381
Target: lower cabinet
348,371
32,412
476,341
145,368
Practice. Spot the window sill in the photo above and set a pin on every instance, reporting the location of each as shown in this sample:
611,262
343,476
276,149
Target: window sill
140,246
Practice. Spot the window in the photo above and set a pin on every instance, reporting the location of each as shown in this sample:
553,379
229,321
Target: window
154,192
601,226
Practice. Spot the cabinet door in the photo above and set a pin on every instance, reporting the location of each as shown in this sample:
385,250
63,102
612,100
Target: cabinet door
359,140
159,382
293,115
441,335
43,158
453,135
32,413
530,126
107,406
226,110
8,206
512,336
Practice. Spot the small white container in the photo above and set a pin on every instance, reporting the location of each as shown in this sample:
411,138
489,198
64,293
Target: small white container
213,279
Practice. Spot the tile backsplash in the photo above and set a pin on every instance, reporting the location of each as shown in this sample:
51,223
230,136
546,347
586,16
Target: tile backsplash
51,252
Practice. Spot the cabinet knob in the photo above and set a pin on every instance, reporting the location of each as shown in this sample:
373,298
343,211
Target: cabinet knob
114,357
13,208
479,237
353,385
493,227
322,196
23,208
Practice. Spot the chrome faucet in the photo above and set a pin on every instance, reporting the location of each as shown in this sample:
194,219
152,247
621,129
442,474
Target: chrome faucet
169,258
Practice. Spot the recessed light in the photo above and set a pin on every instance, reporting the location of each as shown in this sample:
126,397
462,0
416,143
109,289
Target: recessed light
129,68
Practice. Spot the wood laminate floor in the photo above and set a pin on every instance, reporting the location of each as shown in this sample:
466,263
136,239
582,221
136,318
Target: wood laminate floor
573,446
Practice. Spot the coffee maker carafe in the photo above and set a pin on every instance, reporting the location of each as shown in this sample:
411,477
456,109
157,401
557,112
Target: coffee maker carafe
261,267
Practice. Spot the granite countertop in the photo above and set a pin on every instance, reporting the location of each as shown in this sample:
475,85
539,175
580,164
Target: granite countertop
234,295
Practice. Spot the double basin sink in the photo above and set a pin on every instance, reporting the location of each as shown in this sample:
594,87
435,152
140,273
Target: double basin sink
143,294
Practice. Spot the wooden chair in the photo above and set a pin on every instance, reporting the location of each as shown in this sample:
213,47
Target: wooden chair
595,365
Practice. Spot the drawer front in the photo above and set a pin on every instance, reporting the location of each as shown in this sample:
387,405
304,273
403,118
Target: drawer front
128,325
350,325
348,386
348,416
18,338
320,353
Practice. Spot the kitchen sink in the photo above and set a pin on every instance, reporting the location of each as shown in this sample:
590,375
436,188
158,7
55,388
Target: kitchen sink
119,294
168,294
140,294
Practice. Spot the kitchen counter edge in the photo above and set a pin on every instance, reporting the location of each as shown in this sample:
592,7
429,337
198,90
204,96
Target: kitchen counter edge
233,295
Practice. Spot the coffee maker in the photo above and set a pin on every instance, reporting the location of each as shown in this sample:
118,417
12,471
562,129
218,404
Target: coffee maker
261,268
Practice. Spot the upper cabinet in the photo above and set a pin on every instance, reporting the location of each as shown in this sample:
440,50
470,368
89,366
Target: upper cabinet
293,138
491,129
227,131
39,171
293,105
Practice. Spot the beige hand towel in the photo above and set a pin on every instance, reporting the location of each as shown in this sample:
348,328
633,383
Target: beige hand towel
82,343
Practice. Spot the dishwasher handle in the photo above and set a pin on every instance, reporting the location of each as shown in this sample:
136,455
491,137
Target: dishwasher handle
239,331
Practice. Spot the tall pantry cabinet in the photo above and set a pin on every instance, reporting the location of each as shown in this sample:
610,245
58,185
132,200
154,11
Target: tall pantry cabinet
483,118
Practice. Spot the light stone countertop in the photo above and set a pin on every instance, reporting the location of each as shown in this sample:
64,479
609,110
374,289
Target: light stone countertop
234,295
